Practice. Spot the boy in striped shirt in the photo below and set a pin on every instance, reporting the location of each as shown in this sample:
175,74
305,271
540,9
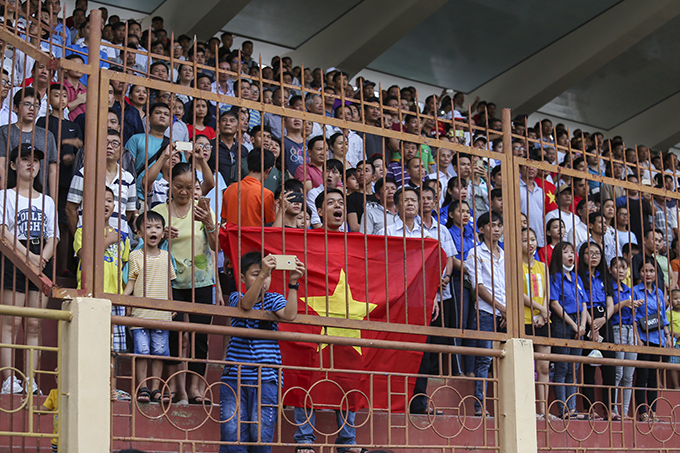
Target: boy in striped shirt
150,274
256,276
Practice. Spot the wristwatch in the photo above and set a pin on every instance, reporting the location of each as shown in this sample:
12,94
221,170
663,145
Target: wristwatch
295,286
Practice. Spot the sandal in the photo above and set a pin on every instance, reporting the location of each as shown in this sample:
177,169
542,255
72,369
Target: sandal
143,396
304,450
157,397
575,416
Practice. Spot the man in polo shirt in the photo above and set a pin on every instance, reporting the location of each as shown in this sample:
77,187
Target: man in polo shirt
118,180
253,195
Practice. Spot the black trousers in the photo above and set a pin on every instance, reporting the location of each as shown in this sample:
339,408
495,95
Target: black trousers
199,347
608,372
430,361
646,382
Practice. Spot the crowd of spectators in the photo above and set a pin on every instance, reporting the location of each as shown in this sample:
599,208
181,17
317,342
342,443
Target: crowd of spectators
601,261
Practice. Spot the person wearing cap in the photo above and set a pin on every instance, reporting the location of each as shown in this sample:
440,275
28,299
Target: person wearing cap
368,89
26,106
29,217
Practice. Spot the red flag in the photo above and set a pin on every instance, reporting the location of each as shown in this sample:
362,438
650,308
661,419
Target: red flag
548,192
357,274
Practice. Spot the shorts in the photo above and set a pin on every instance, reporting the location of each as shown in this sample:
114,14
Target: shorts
537,331
151,342
20,278
675,358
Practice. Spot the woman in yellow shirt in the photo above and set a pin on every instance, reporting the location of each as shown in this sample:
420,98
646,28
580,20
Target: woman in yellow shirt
536,314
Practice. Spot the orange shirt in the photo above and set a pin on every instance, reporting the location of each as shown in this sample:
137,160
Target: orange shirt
251,203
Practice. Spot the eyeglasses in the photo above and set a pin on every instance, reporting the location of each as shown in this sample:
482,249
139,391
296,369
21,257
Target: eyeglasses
30,105
6,83
204,147
112,143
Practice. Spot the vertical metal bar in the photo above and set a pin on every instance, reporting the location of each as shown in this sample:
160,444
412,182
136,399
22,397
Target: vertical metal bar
513,267
93,206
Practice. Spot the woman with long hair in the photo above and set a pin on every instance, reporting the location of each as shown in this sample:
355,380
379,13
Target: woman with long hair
199,116
568,321
653,331
597,283
185,78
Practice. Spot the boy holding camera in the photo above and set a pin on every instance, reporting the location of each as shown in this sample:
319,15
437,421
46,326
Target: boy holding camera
256,276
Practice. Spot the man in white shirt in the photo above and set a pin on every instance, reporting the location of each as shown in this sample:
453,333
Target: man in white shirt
333,176
447,311
485,266
579,233
564,201
7,116
531,201
444,171
331,208
381,213
407,224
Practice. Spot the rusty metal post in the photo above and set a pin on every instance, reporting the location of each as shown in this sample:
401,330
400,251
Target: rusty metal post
511,233
91,179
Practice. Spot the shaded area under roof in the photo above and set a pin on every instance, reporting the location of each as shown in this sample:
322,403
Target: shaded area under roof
468,42
639,78
287,23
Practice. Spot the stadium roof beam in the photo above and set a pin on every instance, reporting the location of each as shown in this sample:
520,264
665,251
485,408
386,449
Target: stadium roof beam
358,37
654,127
203,22
577,55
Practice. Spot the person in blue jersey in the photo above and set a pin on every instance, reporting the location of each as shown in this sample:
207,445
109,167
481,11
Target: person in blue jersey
623,330
463,235
567,320
255,412
653,331
598,286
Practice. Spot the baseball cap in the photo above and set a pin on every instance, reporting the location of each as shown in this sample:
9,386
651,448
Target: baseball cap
26,149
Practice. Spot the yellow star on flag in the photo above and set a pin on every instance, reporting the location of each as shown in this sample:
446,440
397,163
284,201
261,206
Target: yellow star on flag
551,197
339,303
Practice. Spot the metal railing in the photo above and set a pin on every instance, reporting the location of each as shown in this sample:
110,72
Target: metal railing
350,271
29,420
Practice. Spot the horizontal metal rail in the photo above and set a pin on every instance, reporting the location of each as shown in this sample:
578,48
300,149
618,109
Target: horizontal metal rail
41,313
304,337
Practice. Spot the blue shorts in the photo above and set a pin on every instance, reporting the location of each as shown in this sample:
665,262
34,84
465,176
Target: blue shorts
151,342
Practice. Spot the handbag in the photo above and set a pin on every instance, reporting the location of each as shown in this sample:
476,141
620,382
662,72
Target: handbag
651,324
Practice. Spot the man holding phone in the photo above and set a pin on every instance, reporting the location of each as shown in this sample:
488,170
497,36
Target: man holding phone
253,195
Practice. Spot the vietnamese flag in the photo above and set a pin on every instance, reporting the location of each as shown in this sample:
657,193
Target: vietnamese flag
549,192
364,283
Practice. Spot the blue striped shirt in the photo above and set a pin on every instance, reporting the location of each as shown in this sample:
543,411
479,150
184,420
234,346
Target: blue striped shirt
255,350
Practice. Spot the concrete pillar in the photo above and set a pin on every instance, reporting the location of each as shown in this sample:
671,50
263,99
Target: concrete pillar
86,387
517,397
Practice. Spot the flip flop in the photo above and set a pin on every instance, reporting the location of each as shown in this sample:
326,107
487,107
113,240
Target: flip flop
200,400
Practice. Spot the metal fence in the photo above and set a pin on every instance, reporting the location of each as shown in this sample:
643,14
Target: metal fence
378,314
